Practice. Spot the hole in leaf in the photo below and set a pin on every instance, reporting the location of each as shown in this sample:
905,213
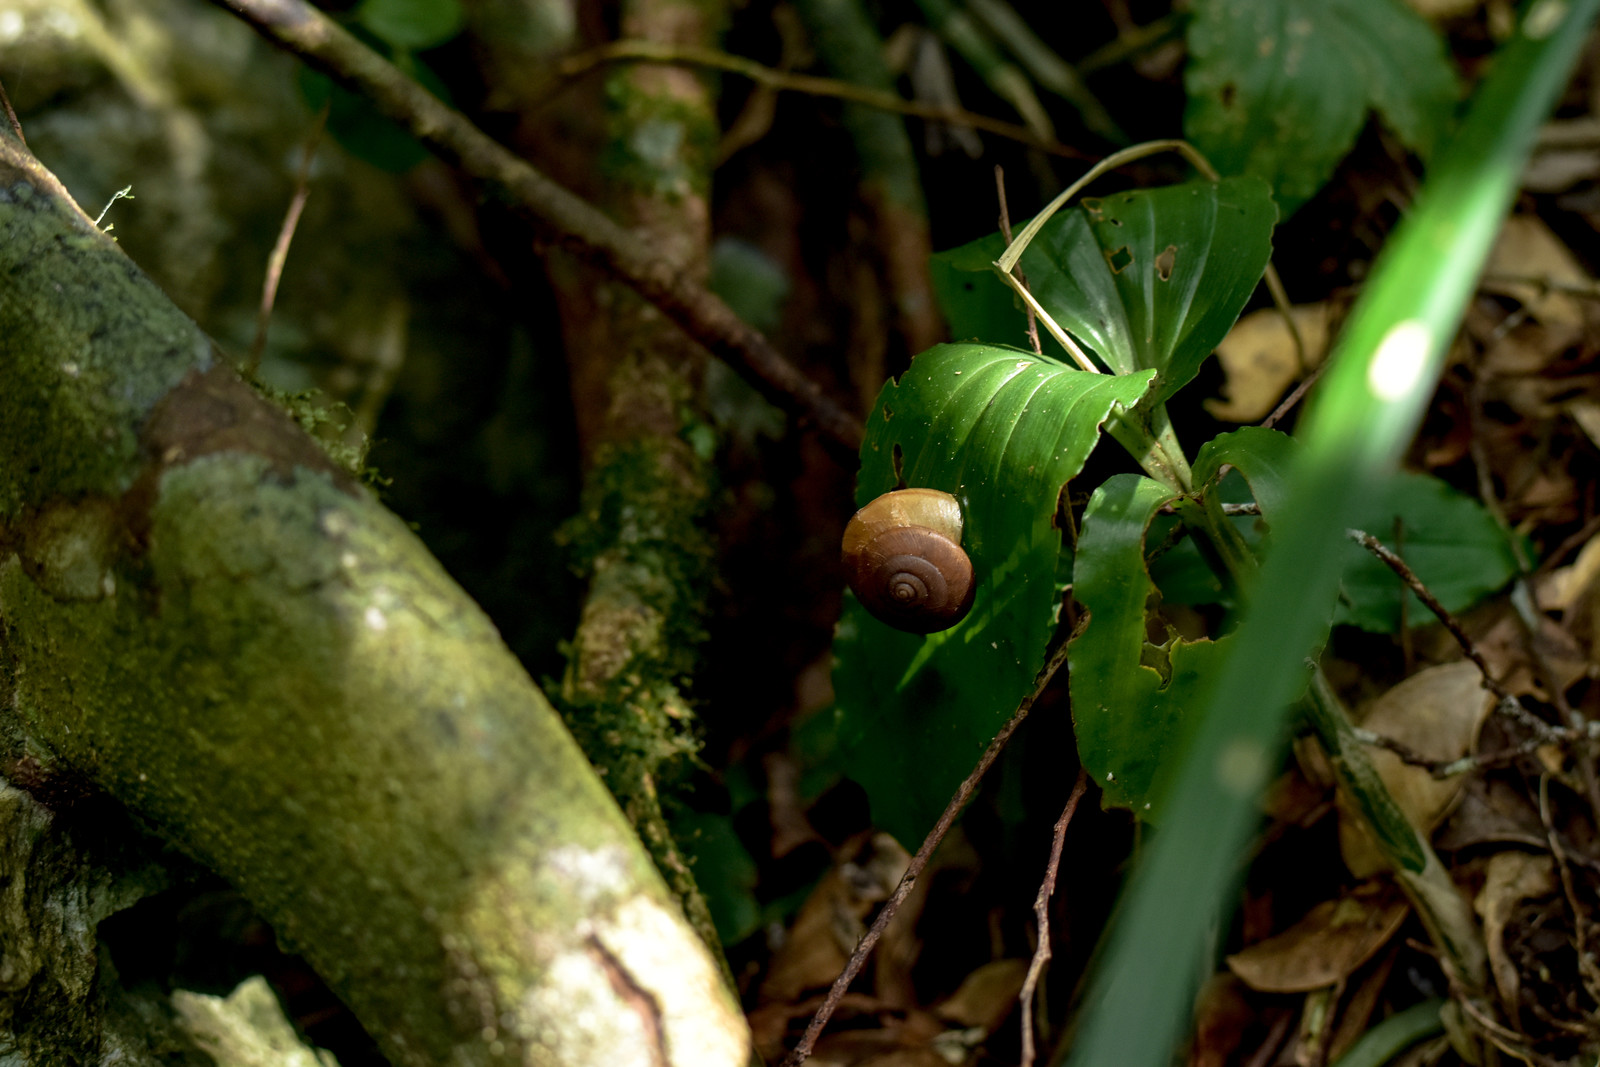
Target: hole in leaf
1092,206
1119,258
1165,262
888,413
1229,93
898,458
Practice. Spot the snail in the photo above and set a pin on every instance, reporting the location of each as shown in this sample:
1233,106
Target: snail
903,558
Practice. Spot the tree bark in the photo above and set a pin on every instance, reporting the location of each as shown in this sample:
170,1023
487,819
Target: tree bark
208,619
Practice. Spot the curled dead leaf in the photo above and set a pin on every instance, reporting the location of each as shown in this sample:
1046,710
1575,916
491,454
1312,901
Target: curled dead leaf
1326,946
1435,713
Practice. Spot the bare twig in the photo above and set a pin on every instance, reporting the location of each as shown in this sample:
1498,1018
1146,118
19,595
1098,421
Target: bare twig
280,250
1294,397
1041,911
919,862
782,80
11,115
566,219
1005,231
1409,577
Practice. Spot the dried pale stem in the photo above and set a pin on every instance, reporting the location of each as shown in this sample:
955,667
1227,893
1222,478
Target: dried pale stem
1022,279
809,84
573,223
1041,911
919,862
280,250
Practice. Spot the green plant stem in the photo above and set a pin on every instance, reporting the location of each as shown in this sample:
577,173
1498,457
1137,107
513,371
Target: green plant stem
1444,912
1156,451
1394,1035
1378,384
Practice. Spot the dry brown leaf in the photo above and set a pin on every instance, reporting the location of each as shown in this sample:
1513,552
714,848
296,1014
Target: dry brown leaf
1258,357
1528,249
1326,946
1512,877
985,997
1504,646
1492,812
1435,713
832,919
1223,1014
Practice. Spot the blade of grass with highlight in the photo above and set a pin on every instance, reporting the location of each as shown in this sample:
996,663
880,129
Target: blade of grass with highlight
1381,377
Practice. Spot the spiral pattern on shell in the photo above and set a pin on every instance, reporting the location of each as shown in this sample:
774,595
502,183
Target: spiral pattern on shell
912,575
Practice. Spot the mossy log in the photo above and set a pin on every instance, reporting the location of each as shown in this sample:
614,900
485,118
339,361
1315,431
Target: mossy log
212,622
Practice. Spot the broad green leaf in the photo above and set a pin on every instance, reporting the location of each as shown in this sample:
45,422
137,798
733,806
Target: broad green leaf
411,25
1149,279
1450,541
1003,431
1128,695
1280,88
1262,456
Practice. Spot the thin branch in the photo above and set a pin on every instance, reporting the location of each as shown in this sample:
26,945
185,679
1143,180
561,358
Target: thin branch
1294,397
1005,231
569,221
1041,911
280,250
11,115
919,862
1424,594
809,84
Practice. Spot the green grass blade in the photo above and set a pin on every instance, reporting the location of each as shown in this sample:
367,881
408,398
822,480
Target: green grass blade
1379,382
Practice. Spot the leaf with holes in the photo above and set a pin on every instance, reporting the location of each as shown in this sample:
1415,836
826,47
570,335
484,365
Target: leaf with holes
1151,279
1280,88
1129,695
1003,431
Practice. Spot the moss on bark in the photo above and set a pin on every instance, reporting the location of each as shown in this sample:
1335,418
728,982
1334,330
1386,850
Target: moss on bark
213,623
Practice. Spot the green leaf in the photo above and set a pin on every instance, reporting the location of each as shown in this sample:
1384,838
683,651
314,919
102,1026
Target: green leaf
1264,457
1003,431
1280,88
1128,695
1150,279
411,25
1452,543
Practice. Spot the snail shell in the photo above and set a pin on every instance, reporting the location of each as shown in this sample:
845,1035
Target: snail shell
903,558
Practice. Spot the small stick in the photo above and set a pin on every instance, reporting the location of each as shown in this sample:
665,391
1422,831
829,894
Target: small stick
1408,576
1041,910
1294,397
11,115
919,862
1005,231
280,250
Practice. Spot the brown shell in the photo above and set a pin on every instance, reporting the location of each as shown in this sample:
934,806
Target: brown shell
904,562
